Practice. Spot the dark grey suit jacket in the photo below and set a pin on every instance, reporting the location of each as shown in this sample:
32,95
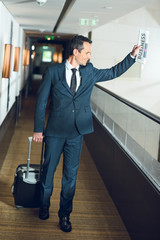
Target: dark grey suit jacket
67,110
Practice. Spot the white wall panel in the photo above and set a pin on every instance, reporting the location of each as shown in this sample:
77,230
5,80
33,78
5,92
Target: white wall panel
16,78
111,43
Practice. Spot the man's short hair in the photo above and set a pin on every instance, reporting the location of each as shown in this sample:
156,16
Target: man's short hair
77,43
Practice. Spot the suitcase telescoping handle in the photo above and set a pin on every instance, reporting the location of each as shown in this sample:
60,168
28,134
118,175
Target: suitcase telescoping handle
29,153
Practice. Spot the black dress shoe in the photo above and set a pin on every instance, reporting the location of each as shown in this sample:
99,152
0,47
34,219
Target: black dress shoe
65,224
44,212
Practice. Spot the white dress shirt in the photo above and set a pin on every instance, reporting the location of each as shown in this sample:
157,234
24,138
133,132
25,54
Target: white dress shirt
69,74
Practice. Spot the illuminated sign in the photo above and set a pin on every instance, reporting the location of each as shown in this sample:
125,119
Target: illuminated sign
45,47
88,22
50,38
47,56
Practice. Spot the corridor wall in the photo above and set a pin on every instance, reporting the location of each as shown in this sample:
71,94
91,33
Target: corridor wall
113,41
136,198
10,33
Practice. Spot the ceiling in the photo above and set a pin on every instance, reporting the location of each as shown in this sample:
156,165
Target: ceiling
68,17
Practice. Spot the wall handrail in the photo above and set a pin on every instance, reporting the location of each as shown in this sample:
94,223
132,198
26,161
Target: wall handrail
132,105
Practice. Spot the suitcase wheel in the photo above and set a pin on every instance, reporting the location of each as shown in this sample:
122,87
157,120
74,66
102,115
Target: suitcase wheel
18,207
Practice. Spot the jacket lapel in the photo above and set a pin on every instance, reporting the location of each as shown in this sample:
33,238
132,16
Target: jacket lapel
62,76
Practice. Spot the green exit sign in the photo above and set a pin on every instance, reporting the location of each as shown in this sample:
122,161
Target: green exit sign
50,38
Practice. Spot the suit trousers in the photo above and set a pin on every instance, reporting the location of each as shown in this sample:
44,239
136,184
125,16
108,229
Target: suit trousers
71,149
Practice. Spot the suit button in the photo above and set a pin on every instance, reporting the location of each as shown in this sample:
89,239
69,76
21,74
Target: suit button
72,110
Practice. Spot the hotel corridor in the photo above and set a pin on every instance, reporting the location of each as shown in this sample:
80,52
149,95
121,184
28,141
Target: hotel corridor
94,213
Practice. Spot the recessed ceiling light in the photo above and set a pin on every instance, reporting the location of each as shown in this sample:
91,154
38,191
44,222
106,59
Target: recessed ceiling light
41,2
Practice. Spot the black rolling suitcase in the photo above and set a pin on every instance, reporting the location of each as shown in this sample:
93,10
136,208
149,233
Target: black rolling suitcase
26,186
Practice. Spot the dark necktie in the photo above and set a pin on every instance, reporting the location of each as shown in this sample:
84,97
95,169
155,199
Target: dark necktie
73,81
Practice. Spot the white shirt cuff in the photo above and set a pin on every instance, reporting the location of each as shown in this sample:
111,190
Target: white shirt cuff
132,56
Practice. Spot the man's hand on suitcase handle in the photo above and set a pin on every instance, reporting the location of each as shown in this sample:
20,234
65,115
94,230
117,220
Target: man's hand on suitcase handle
37,137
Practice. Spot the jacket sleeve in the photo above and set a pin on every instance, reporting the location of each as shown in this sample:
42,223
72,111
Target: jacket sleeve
115,71
41,102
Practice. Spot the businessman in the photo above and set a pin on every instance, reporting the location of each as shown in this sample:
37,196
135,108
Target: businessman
69,86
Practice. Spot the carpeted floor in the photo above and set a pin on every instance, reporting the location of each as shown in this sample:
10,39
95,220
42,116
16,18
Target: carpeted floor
94,214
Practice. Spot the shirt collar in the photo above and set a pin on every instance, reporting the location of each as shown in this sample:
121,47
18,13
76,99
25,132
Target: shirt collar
69,66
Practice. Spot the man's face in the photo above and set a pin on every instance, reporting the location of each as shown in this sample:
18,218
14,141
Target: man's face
83,56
